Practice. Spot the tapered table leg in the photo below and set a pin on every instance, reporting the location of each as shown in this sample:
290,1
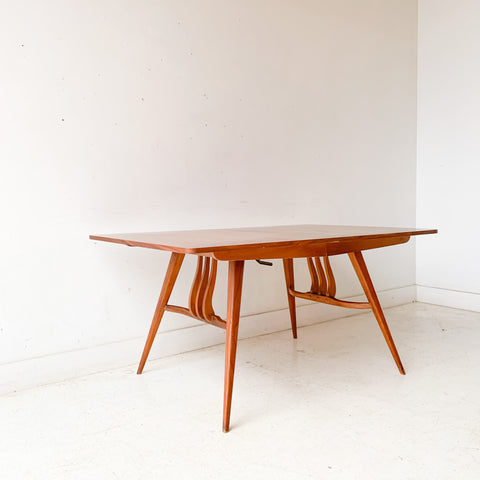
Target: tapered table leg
290,282
235,280
176,260
362,272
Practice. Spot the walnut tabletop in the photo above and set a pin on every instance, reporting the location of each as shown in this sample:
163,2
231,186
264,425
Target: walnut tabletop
314,243
222,243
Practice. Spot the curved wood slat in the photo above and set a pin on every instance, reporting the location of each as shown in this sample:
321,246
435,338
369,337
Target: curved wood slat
313,275
213,320
207,306
192,302
332,288
202,288
201,293
323,279
329,300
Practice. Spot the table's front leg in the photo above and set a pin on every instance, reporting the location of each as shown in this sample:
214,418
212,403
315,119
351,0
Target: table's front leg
290,283
176,260
362,272
235,280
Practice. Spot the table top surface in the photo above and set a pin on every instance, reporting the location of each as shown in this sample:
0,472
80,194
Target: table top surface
202,241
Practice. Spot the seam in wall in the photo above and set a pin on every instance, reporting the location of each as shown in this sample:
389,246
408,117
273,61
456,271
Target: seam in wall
448,289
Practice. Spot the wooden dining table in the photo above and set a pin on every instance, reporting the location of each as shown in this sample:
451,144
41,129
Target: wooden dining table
315,243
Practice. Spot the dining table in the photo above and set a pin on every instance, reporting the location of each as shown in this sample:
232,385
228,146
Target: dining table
314,243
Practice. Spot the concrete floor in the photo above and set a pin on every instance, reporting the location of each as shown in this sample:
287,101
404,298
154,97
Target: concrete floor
330,405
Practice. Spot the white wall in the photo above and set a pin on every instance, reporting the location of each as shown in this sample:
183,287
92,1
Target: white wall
122,116
448,193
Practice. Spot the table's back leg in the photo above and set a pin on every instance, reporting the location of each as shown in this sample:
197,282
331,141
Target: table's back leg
176,260
290,283
235,280
362,272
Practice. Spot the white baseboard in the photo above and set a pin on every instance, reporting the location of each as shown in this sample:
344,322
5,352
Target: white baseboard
58,367
449,298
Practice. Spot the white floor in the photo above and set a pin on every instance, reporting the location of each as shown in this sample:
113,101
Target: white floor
330,405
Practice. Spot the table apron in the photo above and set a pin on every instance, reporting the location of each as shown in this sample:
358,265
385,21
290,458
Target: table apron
313,249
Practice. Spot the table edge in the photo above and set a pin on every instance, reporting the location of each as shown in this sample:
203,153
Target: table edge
222,248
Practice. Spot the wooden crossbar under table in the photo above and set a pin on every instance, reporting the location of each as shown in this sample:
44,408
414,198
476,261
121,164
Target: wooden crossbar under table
316,243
